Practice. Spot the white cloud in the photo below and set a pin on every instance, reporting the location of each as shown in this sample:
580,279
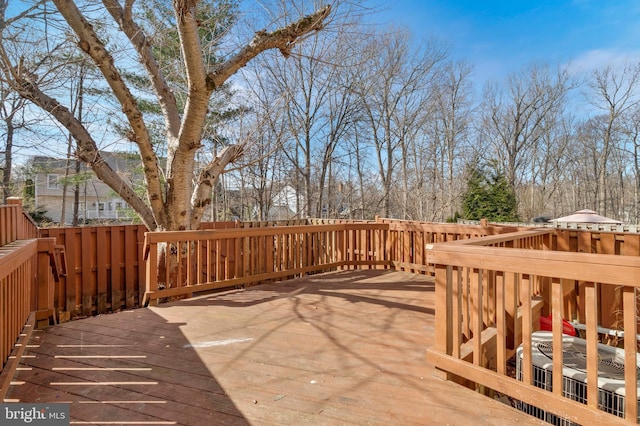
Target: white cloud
599,58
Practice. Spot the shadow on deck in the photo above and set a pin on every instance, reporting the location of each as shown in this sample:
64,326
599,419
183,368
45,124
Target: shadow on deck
341,348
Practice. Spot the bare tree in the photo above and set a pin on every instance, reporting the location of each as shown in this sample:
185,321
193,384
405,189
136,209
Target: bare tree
12,112
549,160
614,92
363,197
632,132
392,92
515,116
262,167
305,85
173,201
13,120
451,125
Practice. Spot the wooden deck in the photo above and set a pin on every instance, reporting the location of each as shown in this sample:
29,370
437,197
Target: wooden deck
340,348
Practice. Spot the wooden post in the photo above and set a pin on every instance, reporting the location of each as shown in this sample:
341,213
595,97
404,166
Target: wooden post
151,267
14,201
15,228
591,315
45,285
444,321
501,323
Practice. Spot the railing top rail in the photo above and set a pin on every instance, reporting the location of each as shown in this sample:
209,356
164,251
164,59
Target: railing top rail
496,239
15,253
601,268
451,227
213,234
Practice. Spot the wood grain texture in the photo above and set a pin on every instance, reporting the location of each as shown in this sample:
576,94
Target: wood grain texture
346,347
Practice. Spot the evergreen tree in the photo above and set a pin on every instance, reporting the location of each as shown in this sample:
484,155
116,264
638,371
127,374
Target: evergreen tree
489,195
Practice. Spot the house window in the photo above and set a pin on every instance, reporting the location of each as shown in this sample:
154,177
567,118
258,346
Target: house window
52,181
101,207
118,205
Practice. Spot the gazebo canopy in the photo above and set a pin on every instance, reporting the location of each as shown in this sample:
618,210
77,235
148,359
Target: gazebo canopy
586,216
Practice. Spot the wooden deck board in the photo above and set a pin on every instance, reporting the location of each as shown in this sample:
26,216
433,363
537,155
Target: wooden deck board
340,348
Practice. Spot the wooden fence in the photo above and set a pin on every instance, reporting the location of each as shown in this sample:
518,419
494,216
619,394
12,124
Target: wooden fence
409,241
105,266
485,291
582,226
595,242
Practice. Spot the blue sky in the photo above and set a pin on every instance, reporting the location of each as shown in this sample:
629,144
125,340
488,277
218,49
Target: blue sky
499,37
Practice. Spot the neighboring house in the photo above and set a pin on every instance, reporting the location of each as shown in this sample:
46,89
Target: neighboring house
96,199
284,205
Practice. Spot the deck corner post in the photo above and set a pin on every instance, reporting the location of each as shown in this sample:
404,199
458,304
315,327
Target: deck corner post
443,315
151,269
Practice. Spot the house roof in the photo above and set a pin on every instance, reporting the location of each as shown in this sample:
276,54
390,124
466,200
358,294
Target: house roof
118,161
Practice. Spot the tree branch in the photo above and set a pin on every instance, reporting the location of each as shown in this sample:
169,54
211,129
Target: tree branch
141,43
93,46
87,150
283,39
208,177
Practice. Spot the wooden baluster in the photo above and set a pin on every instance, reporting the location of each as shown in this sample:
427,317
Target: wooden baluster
501,324
454,278
527,364
630,358
591,319
556,307
444,312
477,310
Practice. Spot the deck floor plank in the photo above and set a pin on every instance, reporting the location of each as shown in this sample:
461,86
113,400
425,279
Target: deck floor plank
341,348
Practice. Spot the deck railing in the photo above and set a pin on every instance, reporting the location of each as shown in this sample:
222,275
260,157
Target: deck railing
493,290
409,241
18,261
15,224
29,270
491,287
597,242
210,259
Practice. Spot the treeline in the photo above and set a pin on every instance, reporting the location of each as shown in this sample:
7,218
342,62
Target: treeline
362,124
357,121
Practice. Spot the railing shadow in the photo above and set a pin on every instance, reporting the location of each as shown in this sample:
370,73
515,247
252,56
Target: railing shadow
125,368
356,325
339,284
